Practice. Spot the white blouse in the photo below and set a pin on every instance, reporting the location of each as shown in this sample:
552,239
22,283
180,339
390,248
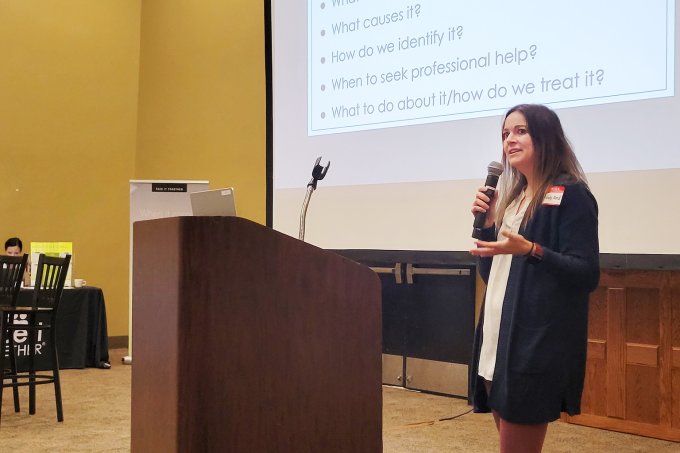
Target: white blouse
495,290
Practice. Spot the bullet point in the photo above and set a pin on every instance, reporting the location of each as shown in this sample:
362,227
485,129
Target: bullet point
323,87
323,60
323,32
323,115
323,5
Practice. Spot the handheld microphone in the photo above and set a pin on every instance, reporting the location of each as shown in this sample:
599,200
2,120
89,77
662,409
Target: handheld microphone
494,171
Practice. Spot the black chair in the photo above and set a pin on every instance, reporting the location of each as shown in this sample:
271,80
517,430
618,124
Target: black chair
49,285
12,270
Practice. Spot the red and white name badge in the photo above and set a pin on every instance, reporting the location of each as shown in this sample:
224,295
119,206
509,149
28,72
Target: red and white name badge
554,196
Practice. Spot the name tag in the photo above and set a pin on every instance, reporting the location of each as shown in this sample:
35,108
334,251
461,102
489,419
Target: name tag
554,196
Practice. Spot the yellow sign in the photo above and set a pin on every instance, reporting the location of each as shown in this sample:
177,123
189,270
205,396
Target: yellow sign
58,249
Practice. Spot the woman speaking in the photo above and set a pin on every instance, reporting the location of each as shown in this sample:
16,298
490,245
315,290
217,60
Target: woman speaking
539,255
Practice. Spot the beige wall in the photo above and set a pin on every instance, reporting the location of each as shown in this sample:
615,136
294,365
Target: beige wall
68,116
202,96
72,82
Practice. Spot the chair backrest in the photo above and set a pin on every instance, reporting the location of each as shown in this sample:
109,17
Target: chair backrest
49,281
11,275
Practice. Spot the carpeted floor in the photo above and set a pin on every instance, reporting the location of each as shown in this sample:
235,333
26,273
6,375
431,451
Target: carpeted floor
419,422
96,413
97,418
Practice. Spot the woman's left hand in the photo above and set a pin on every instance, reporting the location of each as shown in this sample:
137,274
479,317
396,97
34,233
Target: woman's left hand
513,244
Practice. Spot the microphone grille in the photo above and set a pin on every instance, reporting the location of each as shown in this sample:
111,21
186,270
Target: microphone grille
495,168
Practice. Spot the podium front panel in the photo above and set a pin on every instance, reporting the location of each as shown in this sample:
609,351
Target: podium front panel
246,339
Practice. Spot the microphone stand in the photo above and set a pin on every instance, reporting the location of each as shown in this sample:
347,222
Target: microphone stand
318,173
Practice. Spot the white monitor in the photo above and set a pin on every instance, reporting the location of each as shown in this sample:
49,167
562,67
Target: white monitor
216,202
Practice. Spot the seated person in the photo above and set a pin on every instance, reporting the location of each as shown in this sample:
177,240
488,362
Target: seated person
14,247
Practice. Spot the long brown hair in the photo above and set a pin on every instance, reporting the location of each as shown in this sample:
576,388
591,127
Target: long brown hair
553,157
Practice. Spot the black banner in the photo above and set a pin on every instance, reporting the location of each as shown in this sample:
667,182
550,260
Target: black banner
168,187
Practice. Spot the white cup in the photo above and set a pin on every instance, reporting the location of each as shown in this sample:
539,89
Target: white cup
79,282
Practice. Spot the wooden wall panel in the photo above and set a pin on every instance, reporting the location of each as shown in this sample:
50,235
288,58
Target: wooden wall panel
633,368
666,354
597,315
674,338
675,403
642,394
594,399
642,315
616,353
642,335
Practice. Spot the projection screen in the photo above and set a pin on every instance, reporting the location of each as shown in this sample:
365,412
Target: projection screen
406,100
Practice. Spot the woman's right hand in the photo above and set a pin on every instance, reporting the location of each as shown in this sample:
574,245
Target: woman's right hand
484,203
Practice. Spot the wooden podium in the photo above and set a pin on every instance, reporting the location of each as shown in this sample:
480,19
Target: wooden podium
248,340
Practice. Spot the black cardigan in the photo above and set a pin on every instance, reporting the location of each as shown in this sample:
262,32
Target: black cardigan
540,361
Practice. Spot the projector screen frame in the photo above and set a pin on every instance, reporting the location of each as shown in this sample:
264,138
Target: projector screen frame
652,260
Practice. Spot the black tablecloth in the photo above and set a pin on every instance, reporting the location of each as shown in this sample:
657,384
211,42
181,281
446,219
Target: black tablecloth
82,339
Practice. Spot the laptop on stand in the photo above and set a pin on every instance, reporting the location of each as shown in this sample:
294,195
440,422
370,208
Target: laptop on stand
215,202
